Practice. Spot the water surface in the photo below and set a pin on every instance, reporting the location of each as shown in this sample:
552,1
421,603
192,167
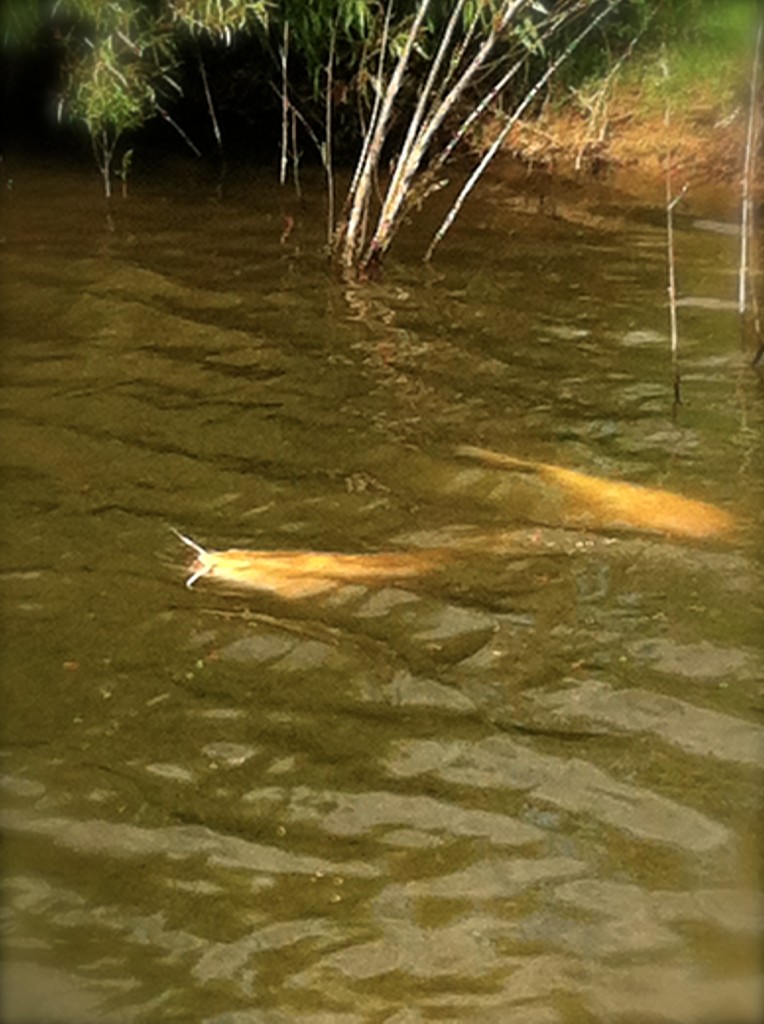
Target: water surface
526,787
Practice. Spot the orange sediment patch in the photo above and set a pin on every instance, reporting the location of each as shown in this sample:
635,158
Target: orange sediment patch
612,503
306,573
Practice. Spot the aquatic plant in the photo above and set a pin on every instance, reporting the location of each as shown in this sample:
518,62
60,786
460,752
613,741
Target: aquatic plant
748,251
477,52
397,87
116,56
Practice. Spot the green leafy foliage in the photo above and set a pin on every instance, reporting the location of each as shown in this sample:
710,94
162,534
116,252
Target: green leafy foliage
109,92
124,61
219,18
19,23
706,44
117,53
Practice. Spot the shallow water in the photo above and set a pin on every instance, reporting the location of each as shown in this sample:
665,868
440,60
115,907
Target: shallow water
526,787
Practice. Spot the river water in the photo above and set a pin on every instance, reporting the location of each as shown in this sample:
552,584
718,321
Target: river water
524,788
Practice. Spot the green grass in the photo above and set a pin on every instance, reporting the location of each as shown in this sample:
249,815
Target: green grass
708,49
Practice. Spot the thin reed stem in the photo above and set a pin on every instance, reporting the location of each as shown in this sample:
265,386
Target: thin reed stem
295,153
749,162
210,105
284,105
671,202
327,153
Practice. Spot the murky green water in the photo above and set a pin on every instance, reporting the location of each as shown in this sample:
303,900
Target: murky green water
525,788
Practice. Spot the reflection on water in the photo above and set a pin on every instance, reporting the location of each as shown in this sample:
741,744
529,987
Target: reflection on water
524,786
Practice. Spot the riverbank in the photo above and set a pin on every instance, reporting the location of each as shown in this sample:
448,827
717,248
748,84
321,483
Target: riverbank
626,146
681,101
